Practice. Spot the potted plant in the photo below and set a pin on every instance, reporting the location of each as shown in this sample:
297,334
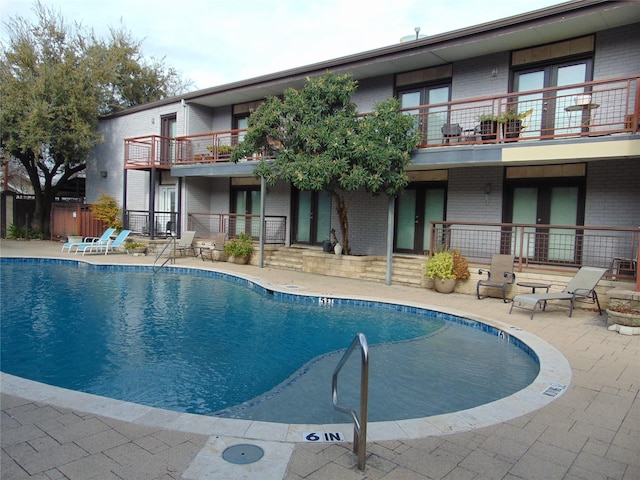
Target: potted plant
511,122
623,312
135,248
239,249
446,268
488,126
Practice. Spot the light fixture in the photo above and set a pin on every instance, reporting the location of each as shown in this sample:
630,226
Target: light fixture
103,174
494,72
487,192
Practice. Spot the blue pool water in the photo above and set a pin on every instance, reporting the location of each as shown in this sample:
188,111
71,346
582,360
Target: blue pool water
208,343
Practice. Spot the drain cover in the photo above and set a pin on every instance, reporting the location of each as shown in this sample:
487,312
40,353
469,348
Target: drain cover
242,454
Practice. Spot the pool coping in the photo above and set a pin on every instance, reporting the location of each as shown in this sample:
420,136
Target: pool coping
551,382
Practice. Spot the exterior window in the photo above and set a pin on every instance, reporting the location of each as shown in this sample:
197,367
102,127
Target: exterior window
437,116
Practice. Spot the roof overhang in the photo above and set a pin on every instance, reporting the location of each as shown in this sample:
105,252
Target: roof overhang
559,22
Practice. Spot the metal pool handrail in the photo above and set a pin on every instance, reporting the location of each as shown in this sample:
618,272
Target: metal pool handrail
359,423
171,257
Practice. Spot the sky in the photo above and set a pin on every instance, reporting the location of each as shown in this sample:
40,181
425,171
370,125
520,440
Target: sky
215,42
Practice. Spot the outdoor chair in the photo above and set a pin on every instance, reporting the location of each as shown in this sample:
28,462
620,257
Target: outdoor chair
102,240
582,287
185,243
217,247
499,276
109,246
451,131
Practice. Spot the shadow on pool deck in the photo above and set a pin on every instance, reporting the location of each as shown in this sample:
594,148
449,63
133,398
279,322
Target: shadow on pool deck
592,431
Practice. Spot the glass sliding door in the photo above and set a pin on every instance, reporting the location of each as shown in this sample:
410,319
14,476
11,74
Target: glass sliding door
561,205
312,217
551,109
429,120
416,208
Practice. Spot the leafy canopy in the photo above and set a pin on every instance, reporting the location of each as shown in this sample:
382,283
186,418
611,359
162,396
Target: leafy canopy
55,82
318,141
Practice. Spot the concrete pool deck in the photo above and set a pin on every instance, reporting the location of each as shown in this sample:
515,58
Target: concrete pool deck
591,431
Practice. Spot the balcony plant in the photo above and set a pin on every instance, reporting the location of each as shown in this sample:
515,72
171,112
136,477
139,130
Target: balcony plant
511,122
488,126
446,268
239,249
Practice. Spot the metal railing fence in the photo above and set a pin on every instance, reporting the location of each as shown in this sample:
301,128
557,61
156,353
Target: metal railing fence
164,224
615,248
207,224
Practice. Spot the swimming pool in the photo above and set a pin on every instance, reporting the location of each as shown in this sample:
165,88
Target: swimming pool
97,312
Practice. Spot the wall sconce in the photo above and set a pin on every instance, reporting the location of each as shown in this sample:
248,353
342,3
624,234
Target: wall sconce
103,174
494,72
487,192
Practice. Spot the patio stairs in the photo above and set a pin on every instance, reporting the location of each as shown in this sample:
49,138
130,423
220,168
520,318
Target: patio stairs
407,269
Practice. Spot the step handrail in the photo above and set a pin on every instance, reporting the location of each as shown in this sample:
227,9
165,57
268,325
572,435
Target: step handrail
171,257
359,422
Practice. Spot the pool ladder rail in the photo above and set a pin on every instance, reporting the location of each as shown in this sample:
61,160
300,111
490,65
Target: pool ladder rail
359,422
171,257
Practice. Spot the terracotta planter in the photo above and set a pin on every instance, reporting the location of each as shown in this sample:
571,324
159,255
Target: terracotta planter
445,286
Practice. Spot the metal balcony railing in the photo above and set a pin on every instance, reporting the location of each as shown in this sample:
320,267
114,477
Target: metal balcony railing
605,107
164,224
593,108
614,248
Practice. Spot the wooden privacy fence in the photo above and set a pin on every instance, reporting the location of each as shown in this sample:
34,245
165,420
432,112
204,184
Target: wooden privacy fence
74,219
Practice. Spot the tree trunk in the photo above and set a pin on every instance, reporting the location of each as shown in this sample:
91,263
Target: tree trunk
343,220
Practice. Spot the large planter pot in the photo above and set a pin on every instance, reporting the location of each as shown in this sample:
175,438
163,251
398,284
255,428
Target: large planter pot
445,286
625,319
511,128
238,260
488,129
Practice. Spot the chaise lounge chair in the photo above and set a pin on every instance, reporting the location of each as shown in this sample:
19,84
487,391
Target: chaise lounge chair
500,275
109,246
103,239
185,243
581,287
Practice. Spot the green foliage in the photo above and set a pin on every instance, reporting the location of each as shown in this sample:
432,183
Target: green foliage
15,231
513,115
448,264
108,211
130,245
55,82
241,246
487,117
320,142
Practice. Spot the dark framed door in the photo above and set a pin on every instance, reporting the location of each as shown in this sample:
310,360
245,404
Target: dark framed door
245,204
311,217
430,119
538,203
417,206
550,108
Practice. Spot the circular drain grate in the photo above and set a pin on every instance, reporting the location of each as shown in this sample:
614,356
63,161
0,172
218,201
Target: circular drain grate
242,454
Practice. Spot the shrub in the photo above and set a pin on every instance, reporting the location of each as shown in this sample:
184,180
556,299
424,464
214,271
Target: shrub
241,246
107,210
448,264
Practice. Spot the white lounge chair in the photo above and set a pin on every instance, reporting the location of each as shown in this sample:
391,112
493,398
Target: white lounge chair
103,239
109,246
581,287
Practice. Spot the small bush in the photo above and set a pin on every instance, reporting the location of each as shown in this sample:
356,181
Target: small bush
14,231
241,246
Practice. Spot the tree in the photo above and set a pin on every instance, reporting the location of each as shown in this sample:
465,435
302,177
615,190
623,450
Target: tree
55,82
318,141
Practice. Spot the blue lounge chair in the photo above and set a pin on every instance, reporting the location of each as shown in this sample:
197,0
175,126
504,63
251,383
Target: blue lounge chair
103,239
109,246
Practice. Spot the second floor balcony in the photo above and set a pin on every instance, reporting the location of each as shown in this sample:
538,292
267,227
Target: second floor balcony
599,108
